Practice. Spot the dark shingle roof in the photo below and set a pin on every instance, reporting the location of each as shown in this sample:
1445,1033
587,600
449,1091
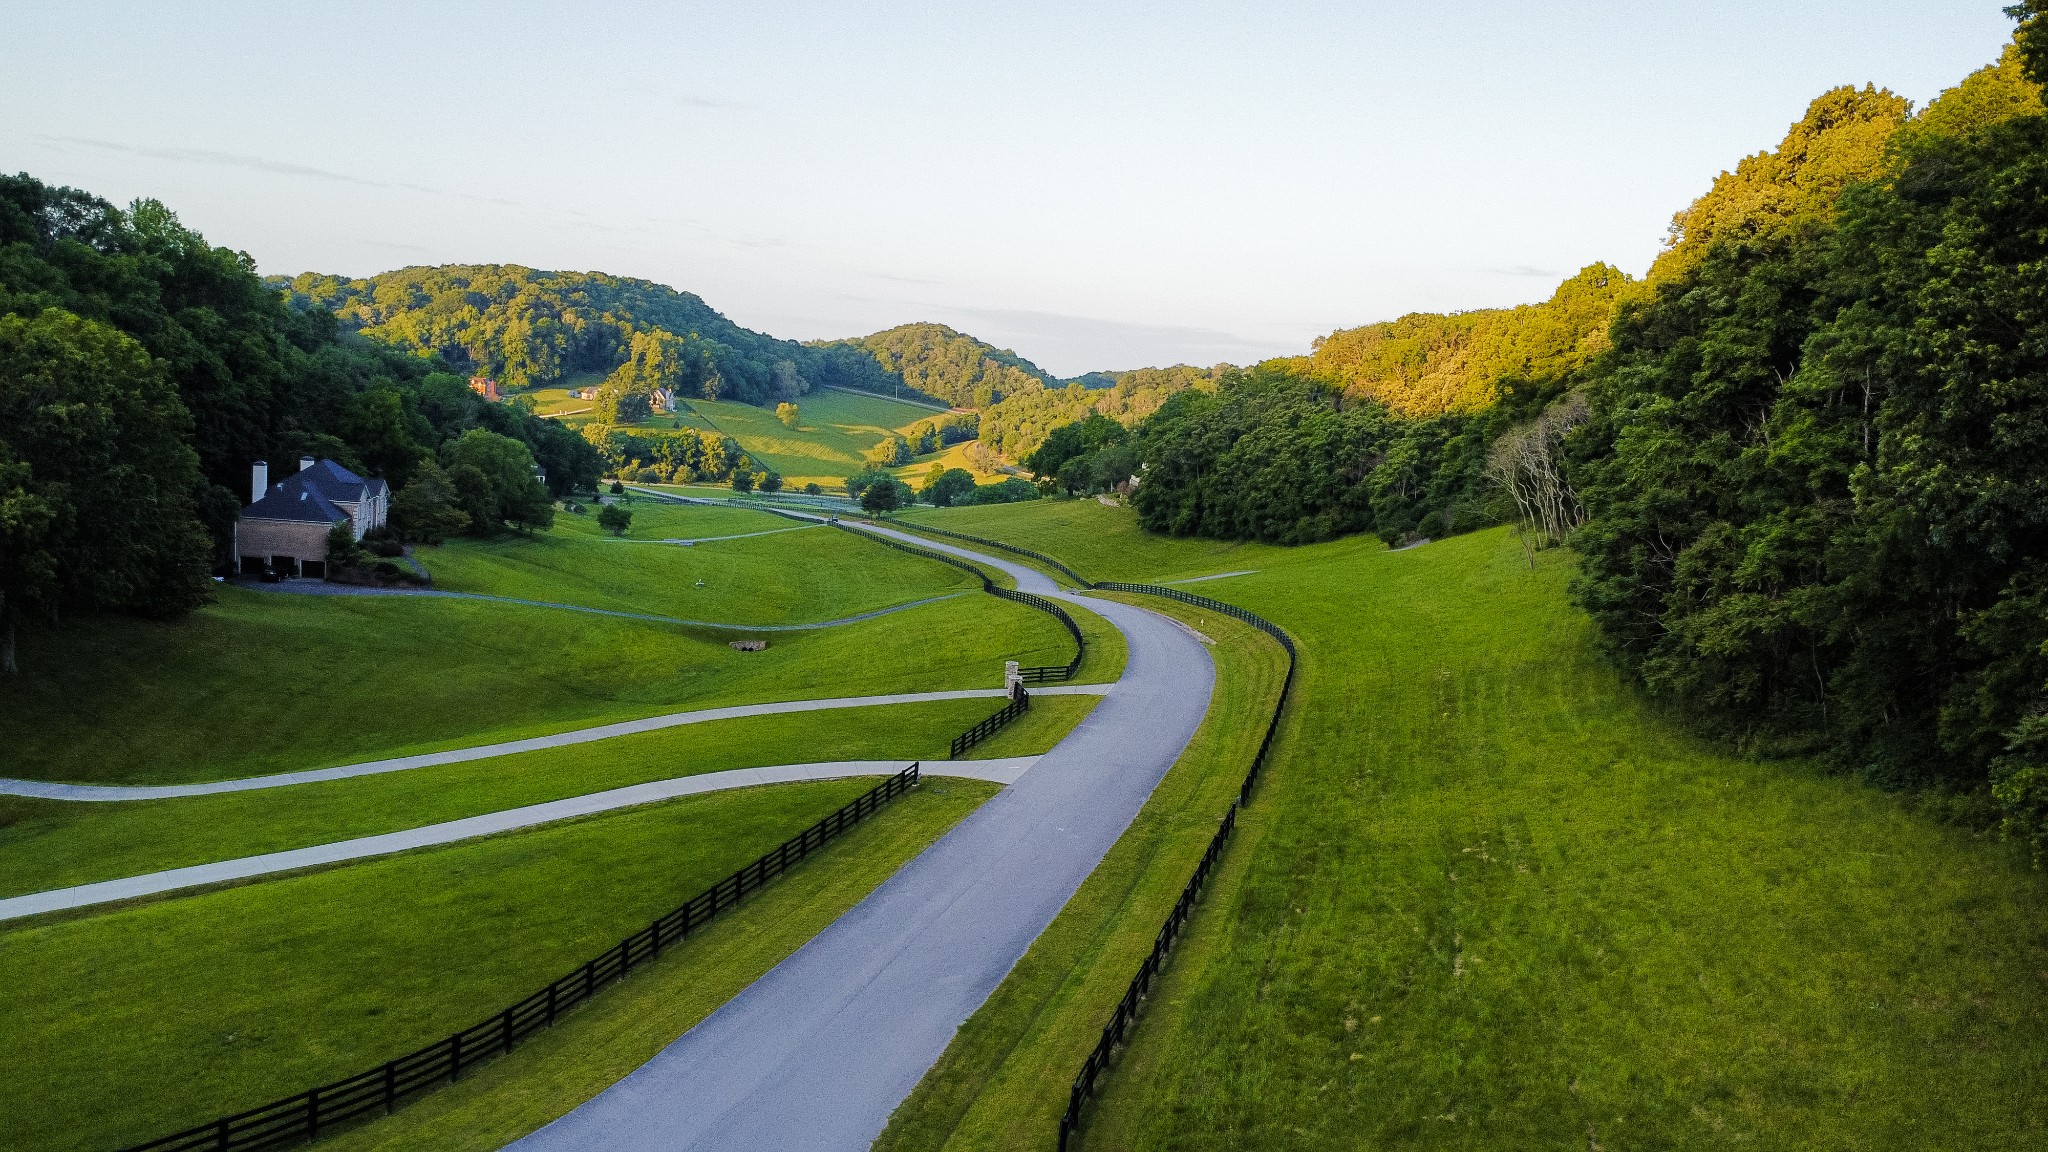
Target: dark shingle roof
288,501
337,483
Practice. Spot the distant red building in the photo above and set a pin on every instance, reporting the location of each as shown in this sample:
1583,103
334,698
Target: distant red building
485,387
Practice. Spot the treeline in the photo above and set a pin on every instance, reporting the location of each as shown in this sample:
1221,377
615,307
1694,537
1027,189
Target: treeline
1018,424
1425,364
146,369
929,360
528,328
1815,474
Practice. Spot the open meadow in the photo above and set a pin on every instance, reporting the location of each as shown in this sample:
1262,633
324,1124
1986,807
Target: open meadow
1486,898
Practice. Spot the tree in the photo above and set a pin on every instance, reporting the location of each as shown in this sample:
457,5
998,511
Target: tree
951,486
494,476
343,551
982,460
615,518
96,476
890,453
428,510
742,480
788,414
880,498
768,481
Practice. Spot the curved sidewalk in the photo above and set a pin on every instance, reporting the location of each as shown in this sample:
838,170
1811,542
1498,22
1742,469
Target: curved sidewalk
447,832
42,790
817,1053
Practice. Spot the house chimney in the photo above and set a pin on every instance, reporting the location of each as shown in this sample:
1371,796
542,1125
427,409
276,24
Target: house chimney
259,480
305,462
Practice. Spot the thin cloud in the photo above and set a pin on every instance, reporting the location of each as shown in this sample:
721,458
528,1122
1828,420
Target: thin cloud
1525,270
262,164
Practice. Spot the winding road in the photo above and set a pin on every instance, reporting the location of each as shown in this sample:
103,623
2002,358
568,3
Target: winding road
817,1053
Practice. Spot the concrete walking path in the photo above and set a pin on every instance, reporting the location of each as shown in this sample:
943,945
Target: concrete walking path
108,792
1003,771
817,1053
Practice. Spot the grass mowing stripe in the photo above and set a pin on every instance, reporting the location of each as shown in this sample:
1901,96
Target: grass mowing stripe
129,1024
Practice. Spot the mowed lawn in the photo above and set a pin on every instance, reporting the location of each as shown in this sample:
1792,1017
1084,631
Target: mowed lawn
136,1022
1497,902
264,682
47,844
789,574
1100,542
1485,898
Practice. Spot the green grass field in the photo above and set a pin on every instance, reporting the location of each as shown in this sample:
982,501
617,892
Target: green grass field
266,682
827,443
48,844
136,1022
1487,899
793,575
1100,542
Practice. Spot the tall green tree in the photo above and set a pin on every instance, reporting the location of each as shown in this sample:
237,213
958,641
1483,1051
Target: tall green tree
96,476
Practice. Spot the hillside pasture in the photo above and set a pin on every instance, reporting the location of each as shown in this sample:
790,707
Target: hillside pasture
47,844
140,1021
789,574
270,682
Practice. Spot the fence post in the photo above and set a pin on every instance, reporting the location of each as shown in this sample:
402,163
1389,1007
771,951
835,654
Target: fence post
312,1112
454,1057
508,1029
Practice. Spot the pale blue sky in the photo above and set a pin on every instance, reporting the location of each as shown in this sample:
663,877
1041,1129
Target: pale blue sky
1096,185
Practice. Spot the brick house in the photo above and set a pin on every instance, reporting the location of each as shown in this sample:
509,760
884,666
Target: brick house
285,526
485,387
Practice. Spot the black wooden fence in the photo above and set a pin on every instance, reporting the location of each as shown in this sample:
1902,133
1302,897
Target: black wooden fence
305,1116
988,585
1041,557
993,724
1120,1021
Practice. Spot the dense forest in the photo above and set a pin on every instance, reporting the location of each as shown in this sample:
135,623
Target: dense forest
1016,425
1804,463
929,360
142,370
528,328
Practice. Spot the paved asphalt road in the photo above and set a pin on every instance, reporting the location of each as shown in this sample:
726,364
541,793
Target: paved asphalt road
102,792
817,1053
1002,771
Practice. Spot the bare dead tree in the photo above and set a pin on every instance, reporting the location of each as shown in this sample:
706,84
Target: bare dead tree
1528,463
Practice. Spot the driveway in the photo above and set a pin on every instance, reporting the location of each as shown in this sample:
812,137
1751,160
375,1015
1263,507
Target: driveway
817,1053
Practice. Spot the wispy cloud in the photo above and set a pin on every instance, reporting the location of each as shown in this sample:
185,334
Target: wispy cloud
1525,270
263,164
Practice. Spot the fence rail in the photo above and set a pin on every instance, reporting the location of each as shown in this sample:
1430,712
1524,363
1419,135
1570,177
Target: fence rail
992,725
1120,1021
1053,674
1041,557
381,1089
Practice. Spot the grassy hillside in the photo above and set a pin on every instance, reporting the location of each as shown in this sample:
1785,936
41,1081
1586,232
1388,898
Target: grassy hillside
1486,899
136,1022
269,682
53,844
790,574
1100,542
